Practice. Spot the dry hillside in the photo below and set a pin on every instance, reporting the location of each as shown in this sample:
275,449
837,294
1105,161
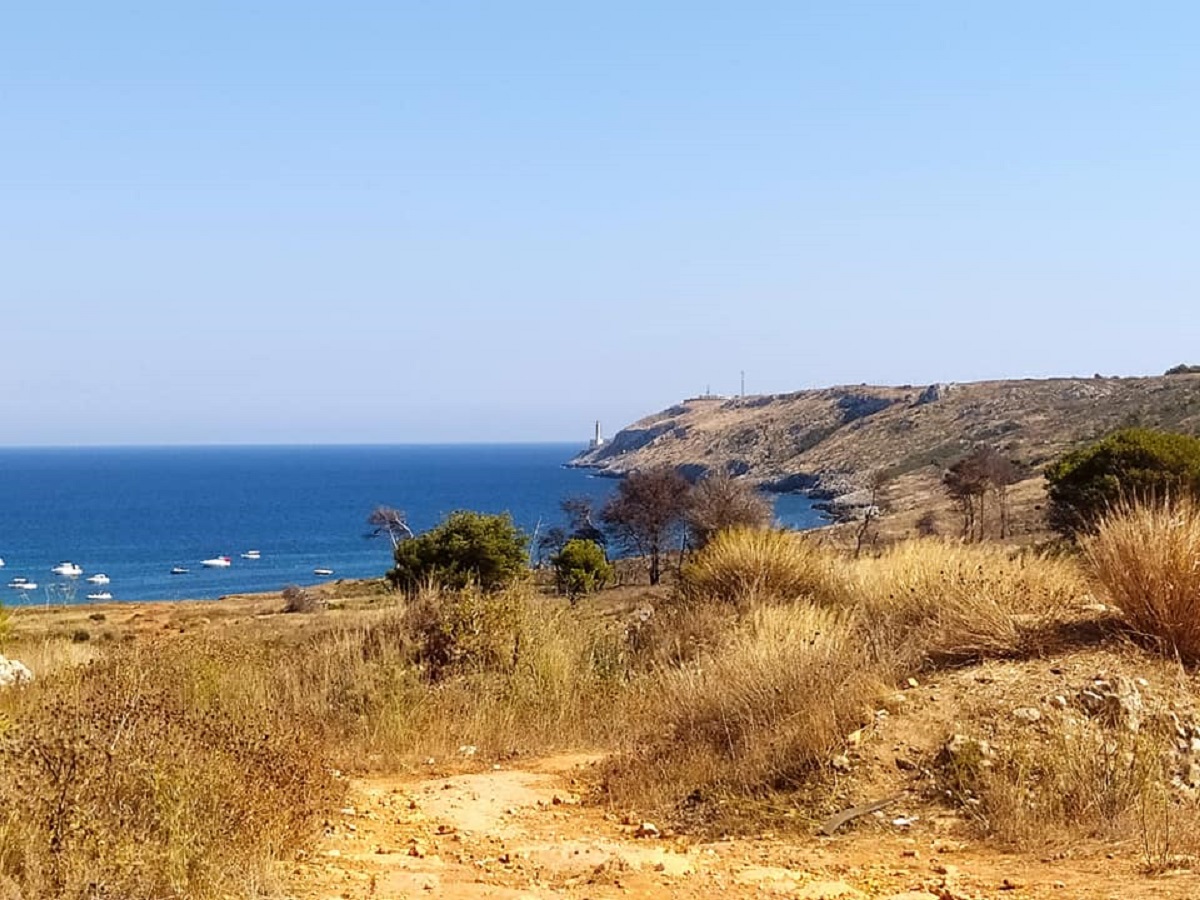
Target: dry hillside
828,441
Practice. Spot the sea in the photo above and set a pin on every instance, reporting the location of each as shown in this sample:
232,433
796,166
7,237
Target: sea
134,513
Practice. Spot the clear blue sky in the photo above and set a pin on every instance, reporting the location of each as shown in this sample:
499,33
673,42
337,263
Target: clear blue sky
295,222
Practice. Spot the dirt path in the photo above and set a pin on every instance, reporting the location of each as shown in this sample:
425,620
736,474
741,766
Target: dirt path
511,833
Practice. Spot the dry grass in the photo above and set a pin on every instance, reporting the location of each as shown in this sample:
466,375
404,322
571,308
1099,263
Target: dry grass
930,601
1147,557
1073,777
744,566
763,711
147,775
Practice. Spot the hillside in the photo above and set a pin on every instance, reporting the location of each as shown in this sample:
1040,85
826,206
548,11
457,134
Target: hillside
828,441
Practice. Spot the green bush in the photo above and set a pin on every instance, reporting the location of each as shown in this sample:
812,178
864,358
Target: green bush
468,548
1132,465
581,567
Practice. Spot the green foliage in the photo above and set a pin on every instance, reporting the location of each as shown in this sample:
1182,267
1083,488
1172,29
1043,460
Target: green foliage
1132,465
580,567
468,548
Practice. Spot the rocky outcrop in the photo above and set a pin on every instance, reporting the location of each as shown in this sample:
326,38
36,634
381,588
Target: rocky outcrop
827,442
13,673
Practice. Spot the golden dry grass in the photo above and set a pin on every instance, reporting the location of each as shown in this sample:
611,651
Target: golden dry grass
1147,557
936,601
763,711
744,566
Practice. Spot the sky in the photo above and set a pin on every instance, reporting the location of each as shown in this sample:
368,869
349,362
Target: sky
296,222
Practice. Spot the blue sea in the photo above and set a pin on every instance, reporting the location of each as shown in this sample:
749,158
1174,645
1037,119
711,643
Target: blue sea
134,513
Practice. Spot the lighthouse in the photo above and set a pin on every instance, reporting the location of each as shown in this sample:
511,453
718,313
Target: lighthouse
598,440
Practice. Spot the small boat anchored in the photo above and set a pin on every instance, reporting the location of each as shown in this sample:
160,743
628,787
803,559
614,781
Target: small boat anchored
217,562
252,554
67,569
103,595
98,578
322,571
178,570
22,584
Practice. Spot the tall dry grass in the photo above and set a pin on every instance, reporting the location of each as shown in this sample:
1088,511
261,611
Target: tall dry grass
932,601
745,566
149,775
1147,557
763,711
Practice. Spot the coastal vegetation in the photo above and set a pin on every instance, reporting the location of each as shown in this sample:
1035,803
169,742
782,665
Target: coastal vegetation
1131,466
758,689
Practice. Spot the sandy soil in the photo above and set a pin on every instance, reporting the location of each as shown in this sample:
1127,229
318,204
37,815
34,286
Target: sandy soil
523,832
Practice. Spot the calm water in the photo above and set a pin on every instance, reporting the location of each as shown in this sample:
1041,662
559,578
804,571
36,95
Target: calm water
133,513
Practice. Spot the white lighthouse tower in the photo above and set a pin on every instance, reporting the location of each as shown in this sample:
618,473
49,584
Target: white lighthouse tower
598,440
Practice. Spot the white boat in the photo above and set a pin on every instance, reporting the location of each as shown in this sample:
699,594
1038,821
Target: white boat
103,595
322,571
98,578
67,569
252,554
23,584
1,564
217,562
178,570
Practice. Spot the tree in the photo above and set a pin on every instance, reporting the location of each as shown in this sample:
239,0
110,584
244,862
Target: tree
390,521
580,567
466,548
876,483
580,512
969,481
646,513
1131,465
719,502
966,484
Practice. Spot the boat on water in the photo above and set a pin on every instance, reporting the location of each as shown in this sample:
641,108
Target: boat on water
322,571
103,595
217,562
23,584
1,564
178,570
67,569
98,578
252,554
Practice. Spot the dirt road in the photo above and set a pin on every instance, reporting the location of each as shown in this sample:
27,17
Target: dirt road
521,832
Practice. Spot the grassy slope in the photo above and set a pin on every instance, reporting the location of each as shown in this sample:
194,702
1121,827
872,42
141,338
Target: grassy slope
839,434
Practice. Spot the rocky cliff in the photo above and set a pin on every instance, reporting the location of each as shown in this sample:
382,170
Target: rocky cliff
828,441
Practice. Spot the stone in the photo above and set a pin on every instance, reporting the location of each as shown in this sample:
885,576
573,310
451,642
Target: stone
1027,714
14,673
964,749
840,763
827,890
1116,700
647,830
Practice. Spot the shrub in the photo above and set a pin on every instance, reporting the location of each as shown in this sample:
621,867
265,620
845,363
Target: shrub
764,710
581,567
744,565
929,600
81,635
721,502
298,600
464,630
151,775
1148,559
1136,464
467,548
